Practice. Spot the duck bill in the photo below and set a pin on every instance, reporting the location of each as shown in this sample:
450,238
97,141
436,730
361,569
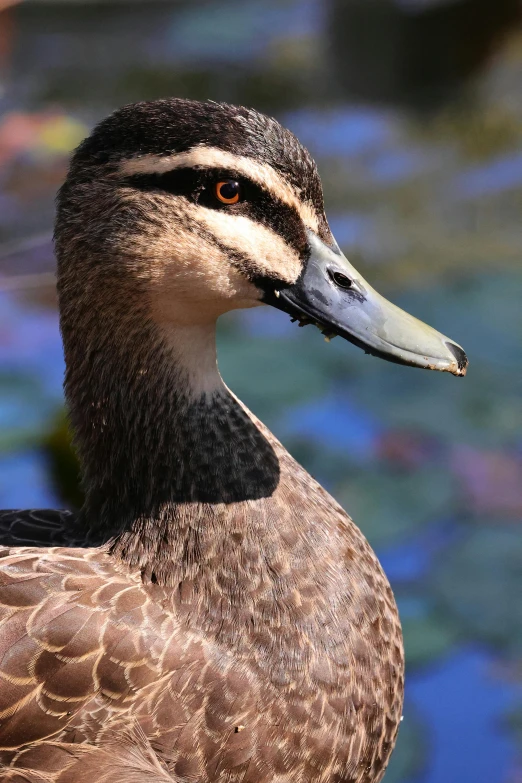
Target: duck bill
333,295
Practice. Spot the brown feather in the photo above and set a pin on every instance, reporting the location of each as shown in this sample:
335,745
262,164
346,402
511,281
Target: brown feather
125,757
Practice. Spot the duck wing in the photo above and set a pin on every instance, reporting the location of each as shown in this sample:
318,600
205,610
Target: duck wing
123,757
78,640
36,527
86,647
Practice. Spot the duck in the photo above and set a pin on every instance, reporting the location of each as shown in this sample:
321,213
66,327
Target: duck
210,608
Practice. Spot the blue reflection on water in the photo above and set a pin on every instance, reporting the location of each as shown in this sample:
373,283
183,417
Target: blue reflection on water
396,166
232,32
30,344
24,481
343,132
352,228
464,706
335,423
405,562
496,176
410,560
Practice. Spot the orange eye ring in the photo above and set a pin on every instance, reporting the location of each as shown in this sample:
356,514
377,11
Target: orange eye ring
227,191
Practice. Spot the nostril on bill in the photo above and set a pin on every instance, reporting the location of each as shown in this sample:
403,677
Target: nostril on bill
460,356
339,279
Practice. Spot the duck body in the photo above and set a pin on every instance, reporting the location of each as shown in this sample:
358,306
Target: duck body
270,656
210,596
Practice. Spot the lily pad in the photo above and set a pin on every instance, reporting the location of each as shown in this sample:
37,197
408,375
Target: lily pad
390,506
478,583
429,633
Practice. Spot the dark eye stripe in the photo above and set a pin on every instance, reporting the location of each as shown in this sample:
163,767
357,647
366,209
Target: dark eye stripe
179,182
258,203
283,219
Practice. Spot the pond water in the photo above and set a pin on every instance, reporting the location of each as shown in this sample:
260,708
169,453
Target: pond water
423,190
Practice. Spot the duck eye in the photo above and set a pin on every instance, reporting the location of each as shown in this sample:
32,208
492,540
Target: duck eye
228,191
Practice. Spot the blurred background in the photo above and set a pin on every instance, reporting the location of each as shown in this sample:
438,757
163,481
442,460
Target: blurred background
413,110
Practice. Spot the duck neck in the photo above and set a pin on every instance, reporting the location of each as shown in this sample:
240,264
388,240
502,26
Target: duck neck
159,435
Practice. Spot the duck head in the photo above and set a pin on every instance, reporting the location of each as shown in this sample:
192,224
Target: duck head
207,207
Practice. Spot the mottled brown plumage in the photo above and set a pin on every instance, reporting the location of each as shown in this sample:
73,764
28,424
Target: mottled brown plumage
122,757
211,614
